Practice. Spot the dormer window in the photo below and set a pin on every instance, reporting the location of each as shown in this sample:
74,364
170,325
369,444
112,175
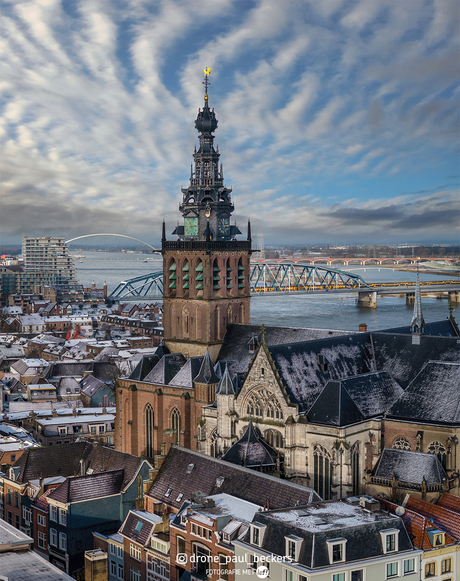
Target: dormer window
390,539
337,550
322,362
436,537
293,545
257,534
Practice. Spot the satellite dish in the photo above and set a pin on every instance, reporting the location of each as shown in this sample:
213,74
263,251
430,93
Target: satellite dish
400,510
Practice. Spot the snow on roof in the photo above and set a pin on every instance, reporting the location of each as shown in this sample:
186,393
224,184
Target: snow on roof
326,516
226,505
77,419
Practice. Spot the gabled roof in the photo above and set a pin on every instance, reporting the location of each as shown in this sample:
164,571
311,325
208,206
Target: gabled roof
146,364
439,380
90,385
206,373
65,460
139,525
411,467
187,472
251,451
88,487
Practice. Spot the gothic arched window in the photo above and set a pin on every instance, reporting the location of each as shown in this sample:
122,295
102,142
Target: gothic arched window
322,472
274,438
213,447
440,451
176,424
355,472
254,408
149,423
274,410
401,443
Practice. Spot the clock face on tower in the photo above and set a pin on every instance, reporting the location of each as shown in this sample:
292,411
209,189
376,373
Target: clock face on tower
224,226
191,226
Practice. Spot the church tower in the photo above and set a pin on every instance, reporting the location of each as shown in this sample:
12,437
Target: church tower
206,270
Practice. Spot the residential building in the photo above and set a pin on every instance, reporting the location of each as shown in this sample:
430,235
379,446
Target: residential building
434,528
48,254
349,540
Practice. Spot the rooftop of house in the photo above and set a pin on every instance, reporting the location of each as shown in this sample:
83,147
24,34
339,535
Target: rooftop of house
188,472
221,505
139,525
89,486
417,525
322,524
69,459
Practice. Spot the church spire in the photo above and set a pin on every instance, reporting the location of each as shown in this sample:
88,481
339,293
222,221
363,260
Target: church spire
206,200
418,322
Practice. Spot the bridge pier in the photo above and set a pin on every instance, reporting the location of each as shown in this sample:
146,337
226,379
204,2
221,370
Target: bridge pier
454,296
410,298
367,299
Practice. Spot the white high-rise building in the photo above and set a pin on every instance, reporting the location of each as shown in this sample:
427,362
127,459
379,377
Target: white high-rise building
51,255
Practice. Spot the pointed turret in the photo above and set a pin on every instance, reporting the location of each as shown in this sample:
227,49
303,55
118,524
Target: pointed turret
207,374
225,386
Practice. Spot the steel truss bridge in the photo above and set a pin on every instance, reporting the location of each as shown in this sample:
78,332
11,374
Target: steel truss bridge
265,277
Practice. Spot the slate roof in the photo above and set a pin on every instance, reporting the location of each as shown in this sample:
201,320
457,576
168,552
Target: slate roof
65,460
237,338
409,466
185,377
334,406
341,520
438,380
166,369
90,385
100,369
354,399
437,329
148,520
88,487
147,363
251,485
251,451
303,374
206,373
397,355
226,386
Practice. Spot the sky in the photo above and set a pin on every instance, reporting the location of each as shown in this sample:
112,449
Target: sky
338,119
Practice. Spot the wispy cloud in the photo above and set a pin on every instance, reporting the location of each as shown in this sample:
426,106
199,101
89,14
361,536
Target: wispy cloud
318,103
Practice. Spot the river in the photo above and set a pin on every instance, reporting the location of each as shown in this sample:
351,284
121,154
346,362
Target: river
290,310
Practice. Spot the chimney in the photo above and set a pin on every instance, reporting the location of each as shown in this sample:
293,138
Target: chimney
362,327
